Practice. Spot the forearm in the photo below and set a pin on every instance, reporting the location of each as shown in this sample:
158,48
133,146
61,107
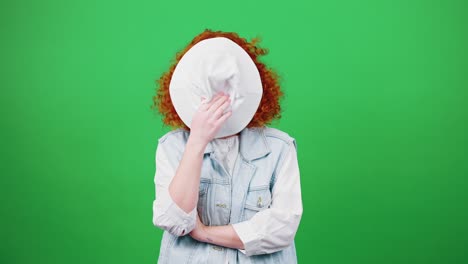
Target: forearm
224,236
184,186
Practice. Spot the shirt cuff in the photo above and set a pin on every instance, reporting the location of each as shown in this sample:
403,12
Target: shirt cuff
178,213
249,237
169,216
186,221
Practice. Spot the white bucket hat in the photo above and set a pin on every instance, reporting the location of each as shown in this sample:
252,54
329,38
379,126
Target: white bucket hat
211,66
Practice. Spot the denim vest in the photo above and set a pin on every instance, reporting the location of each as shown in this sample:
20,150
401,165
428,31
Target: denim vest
225,199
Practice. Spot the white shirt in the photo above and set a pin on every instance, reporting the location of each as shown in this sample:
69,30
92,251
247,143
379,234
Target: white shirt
269,230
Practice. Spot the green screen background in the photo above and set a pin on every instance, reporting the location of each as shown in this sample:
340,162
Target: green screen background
376,97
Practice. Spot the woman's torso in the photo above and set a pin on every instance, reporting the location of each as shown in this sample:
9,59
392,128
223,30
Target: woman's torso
230,191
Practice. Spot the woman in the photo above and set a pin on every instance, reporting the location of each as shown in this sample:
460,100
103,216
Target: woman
229,199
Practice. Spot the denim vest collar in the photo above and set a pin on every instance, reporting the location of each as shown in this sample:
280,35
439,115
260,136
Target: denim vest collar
252,144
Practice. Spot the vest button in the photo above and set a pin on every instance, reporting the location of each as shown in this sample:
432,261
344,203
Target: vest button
222,205
259,202
217,248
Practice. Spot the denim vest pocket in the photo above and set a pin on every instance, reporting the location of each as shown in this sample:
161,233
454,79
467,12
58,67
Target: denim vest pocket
203,186
258,199
203,199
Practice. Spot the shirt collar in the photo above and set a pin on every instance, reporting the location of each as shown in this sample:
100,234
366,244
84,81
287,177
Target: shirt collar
252,144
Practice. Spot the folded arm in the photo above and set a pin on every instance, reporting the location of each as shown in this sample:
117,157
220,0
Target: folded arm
175,208
269,230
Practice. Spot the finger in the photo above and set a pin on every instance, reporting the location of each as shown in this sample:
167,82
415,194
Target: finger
215,97
207,103
223,118
217,103
202,107
221,109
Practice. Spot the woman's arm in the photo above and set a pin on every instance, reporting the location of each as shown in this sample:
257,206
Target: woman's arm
269,230
224,236
175,208
184,186
167,214
205,124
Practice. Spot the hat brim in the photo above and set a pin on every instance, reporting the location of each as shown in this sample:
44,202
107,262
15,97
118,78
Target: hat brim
249,81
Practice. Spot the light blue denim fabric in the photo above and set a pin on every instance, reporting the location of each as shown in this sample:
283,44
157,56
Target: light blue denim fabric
260,154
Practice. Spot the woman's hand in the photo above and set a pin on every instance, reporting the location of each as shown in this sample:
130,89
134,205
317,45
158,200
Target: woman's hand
208,119
224,236
199,232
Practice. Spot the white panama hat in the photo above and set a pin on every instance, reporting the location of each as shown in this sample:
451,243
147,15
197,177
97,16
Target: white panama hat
211,66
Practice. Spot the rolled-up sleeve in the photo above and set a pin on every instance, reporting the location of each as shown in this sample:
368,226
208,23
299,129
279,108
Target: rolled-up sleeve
167,214
274,228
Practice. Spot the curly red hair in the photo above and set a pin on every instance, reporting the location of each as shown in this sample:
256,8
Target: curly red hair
269,108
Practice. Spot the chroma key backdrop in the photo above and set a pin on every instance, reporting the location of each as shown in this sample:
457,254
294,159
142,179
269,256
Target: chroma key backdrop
376,96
